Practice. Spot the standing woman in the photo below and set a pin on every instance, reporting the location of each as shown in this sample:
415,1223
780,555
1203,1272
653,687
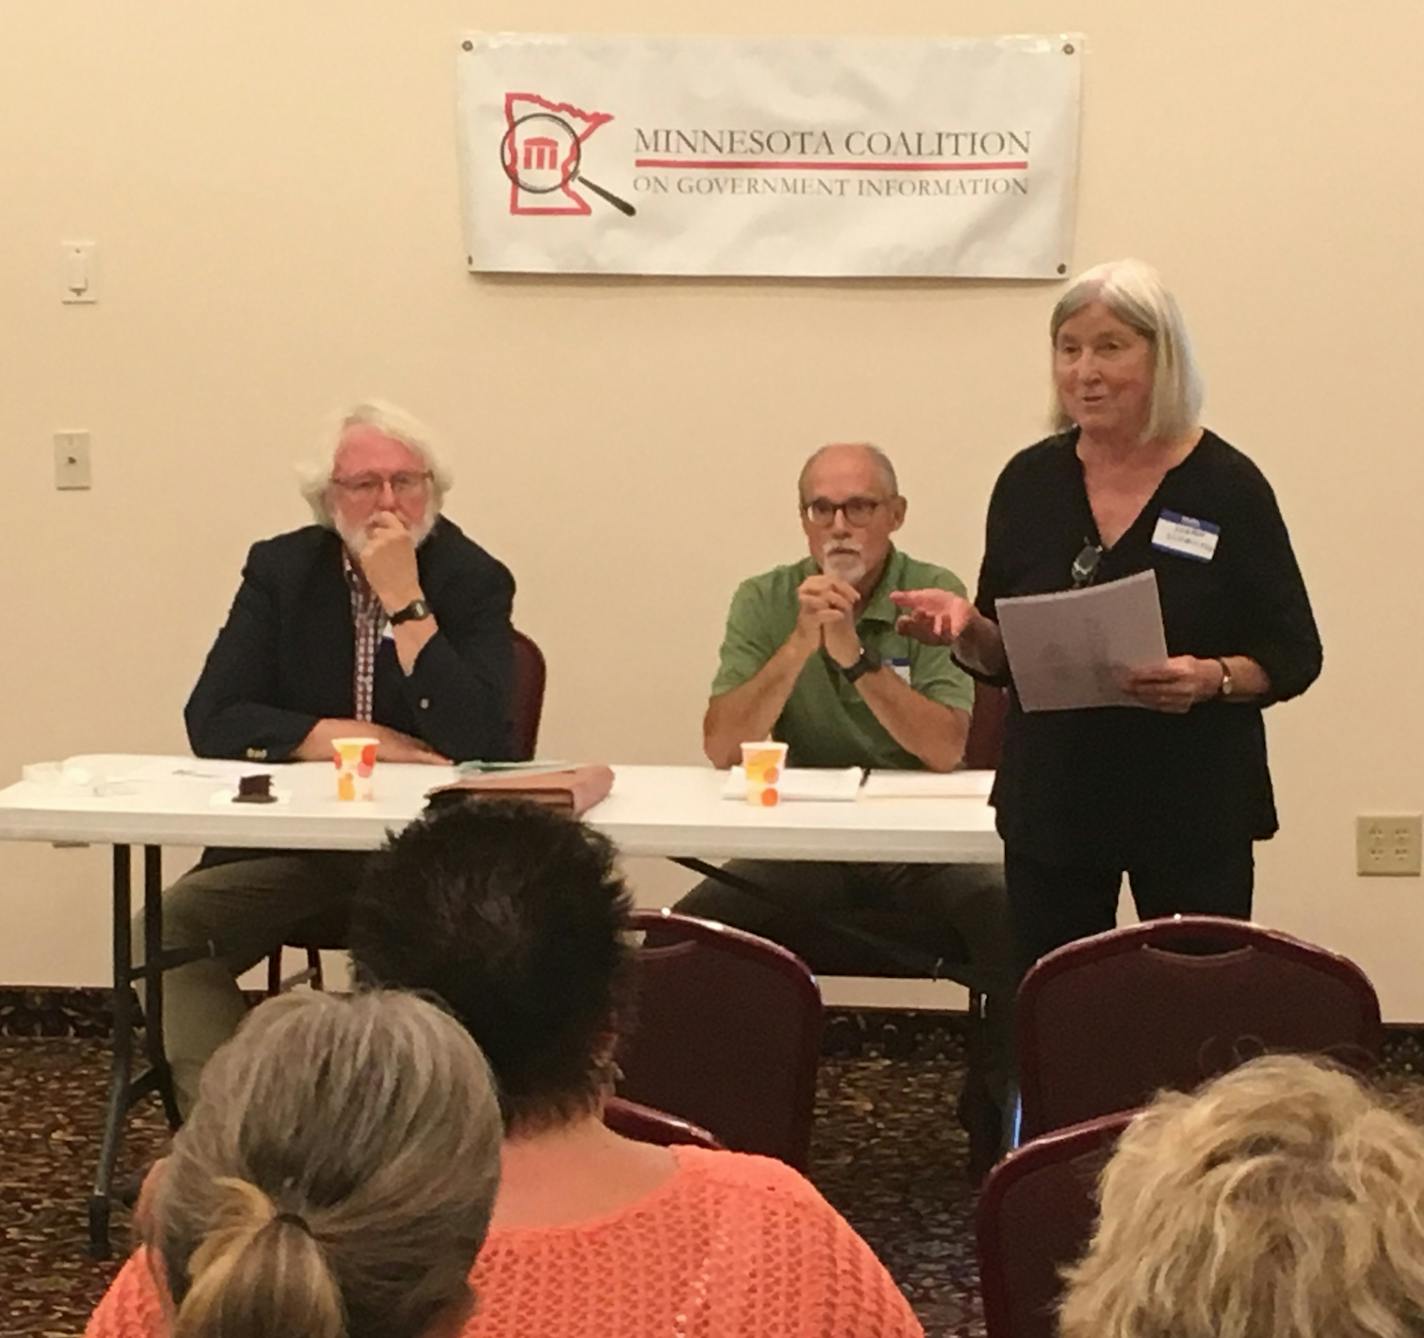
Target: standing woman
1174,794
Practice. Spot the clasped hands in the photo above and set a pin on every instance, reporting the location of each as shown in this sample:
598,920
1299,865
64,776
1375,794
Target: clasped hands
826,618
1174,685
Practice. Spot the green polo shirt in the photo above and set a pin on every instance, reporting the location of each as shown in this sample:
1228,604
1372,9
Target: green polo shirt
825,720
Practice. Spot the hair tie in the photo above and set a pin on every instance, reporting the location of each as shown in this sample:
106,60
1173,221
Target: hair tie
296,1220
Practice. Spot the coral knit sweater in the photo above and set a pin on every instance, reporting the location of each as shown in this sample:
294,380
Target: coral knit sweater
731,1246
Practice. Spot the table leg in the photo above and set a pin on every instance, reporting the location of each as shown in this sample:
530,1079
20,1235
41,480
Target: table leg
154,966
122,1057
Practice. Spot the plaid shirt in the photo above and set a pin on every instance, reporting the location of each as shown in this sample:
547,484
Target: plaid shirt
368,619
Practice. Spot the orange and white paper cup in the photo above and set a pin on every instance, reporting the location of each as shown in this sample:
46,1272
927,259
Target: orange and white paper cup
764,763
355,760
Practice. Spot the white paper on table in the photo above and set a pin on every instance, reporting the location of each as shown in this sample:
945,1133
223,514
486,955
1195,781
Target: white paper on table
928,785
830,783
204,769
1068,650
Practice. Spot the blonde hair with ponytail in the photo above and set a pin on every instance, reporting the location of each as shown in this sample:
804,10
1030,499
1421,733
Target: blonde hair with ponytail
336,1177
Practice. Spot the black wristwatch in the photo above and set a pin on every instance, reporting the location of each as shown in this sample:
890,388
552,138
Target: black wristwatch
868,663
417,608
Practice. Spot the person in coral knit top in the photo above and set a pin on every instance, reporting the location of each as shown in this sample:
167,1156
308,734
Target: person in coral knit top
518,919
335,1180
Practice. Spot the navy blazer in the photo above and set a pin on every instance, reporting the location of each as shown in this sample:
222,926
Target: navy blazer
286,657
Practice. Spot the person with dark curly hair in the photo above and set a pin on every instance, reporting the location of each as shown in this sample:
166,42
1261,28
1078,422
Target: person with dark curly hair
518,918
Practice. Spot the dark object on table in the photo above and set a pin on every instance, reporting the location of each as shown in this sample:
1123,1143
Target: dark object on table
254,790
573,790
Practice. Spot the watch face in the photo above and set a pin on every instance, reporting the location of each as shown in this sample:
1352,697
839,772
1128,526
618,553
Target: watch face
868,663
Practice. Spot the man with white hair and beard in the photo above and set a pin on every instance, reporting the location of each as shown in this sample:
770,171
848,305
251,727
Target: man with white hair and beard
381,620
811,657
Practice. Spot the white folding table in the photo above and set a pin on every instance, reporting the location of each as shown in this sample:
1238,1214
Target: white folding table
673,812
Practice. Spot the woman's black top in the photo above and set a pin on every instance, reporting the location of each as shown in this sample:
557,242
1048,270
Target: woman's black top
1124,784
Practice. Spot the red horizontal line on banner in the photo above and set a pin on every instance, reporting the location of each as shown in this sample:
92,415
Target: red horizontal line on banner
821,165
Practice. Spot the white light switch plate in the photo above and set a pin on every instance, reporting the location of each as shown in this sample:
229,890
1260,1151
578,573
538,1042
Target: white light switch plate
71,460
79,281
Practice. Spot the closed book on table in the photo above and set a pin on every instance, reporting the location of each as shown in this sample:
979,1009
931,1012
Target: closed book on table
572,790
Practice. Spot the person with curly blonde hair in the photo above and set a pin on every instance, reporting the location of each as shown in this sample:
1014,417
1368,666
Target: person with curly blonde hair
1281,1200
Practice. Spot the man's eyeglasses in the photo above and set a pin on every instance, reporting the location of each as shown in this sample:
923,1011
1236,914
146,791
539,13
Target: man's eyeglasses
821,511
368,486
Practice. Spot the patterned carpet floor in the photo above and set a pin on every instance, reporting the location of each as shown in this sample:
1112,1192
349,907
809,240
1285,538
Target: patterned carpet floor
888,1153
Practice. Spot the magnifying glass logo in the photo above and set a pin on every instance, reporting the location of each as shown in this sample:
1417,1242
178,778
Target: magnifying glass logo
541,153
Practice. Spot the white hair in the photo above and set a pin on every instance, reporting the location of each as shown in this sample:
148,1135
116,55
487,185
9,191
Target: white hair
391,421
1134,292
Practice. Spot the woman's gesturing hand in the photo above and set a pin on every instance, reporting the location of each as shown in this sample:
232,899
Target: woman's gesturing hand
936,617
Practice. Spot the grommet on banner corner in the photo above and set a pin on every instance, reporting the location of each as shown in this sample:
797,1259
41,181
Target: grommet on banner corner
1067,48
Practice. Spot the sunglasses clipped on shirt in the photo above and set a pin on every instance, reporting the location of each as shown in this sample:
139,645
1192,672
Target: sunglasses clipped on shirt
1085,565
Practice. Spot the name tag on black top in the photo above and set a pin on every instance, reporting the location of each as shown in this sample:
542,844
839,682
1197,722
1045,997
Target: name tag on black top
1186,536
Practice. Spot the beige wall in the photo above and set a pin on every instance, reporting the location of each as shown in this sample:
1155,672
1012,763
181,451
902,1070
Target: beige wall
273,190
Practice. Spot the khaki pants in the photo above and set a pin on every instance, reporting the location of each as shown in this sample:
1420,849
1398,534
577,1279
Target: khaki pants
240,912
959,903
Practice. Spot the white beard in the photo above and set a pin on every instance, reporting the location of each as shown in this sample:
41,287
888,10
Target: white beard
845,566
355,537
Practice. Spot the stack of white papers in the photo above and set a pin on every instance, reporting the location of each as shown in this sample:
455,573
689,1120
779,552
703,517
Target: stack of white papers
928,785
1069,650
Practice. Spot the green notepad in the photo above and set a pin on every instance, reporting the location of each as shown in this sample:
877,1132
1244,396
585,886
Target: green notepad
477,767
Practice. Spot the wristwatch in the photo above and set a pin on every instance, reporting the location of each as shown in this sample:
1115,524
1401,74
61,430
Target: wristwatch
1228,686
417,608
867,663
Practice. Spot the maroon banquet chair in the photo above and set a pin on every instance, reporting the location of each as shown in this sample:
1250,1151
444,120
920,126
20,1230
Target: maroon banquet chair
985,743
646,1125
327,931
527,706
1105,1022
1036,1215
727,1034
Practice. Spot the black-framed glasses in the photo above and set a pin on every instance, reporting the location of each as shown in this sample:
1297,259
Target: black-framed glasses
406,483
821,511
1085,565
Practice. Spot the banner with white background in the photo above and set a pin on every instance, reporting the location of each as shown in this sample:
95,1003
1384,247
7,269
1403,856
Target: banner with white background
817,156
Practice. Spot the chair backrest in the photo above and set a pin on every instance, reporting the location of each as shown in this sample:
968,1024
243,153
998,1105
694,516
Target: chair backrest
1105,1022
647,1125
727,1034
986,728
1036,1214
528,703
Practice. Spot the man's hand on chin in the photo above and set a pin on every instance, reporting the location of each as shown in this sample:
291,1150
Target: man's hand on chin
387,561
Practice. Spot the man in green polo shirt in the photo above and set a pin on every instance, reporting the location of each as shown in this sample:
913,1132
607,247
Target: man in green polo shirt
811,657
